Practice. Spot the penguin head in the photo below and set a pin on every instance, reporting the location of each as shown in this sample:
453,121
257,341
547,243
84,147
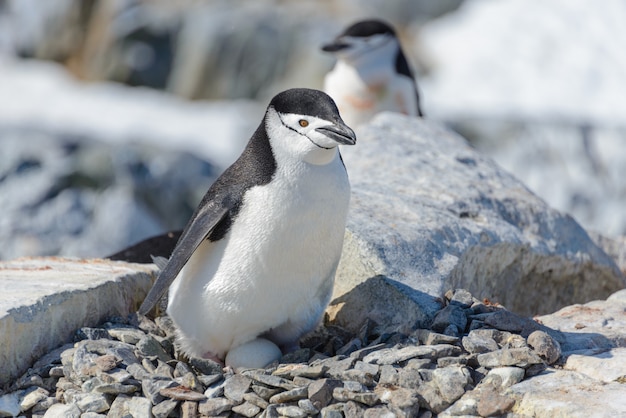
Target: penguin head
362,38
305,124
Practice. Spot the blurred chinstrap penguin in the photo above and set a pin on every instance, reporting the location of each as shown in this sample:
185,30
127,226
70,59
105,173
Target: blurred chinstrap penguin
372,73
254,268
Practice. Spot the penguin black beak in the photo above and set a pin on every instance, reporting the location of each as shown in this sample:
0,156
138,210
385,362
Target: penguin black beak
335,46
340,133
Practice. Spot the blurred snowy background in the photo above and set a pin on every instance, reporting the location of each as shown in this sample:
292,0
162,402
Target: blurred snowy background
116,115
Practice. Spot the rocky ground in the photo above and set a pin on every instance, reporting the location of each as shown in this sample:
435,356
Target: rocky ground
468,363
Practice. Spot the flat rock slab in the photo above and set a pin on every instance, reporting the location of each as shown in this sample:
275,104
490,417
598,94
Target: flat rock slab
45,300
563,393
596,326
429,213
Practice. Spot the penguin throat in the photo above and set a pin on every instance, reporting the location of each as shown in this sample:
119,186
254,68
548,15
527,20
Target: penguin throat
300,133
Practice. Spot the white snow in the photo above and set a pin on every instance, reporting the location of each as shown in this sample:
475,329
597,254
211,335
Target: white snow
42,96
534,59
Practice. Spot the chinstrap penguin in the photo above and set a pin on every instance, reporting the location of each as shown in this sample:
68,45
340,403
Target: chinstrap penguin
372,73
254,268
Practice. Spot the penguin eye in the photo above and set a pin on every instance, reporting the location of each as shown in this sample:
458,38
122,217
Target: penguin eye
303,122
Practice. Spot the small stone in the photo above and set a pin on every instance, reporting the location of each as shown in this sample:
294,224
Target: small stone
450,315
164,370
137,371
93,403
395,356
353,410
307,406
92,415
451,361
32,397
381,411
149,347
117,375
190,381
60,410
372,369
139,406
165,323
354,386
205,366
360,354
367,398
388,375
43,405
452,382
320,392
312,372
360,376
477,342
491,403
255,399
508,321
246,409
181,369
521,357
56,371
164,409
543,344
235,386
460,297
401,401
291,412
87,333
208,380
151,388
115,388
290,395
189,409
428,337
181,393
332,411
119,407
300,381
504,377
269,380
215,406
126,334
265,392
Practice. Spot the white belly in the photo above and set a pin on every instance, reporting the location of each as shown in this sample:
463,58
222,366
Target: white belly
277,263
360,99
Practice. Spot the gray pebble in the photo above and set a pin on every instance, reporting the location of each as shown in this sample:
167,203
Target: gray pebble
307,406
290,395
521,357
320,392
246,409
255,399
291,412
216,406
164,409
235,386
545,346
153,385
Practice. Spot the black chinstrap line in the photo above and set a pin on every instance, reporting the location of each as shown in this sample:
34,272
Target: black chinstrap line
300,133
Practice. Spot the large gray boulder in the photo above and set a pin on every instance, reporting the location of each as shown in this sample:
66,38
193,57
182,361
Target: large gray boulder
429,213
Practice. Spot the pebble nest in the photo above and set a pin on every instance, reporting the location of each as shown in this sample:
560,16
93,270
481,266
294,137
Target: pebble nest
461,365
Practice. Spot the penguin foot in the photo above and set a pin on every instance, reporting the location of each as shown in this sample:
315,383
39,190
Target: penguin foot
213,357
